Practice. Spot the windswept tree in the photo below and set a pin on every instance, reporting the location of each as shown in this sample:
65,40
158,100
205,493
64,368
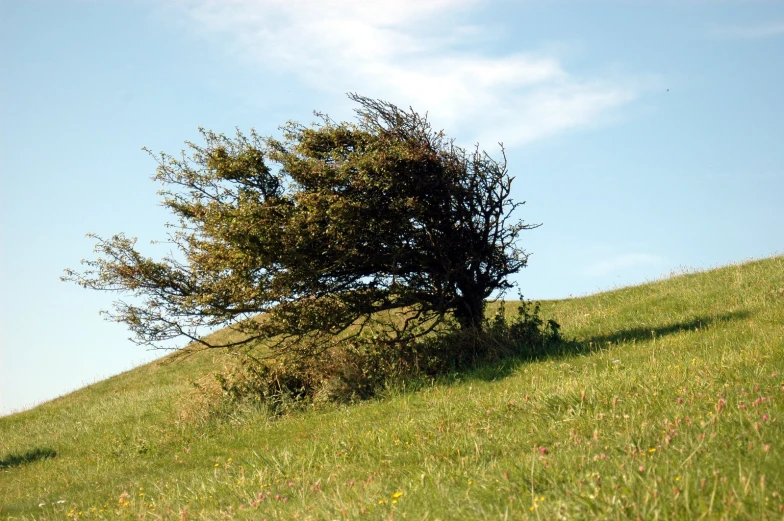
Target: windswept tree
308,239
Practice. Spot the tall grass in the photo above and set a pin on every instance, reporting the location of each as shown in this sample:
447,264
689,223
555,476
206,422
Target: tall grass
673,409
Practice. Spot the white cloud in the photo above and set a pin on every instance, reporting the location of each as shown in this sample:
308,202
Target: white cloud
751,32
410,52
622,262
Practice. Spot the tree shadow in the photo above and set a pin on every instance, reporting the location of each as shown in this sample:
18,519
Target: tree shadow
17,460
566,348
648,333
490,355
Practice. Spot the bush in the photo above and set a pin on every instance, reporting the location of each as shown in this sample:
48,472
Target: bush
363,367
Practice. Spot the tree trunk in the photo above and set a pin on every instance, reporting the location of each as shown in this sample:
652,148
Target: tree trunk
470,313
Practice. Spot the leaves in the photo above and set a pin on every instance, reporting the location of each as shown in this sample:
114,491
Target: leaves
306,239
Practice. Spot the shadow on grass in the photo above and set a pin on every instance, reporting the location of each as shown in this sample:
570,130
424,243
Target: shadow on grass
17,460
648,333
496,353
499,369
566,348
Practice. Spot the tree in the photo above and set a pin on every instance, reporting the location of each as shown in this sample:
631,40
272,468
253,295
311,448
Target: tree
310,238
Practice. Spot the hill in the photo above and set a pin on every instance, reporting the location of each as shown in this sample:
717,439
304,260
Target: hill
675,409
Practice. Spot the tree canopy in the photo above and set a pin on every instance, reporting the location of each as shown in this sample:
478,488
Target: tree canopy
314,234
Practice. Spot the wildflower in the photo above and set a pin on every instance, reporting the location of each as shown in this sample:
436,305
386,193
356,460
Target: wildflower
397,494
641,468
543,450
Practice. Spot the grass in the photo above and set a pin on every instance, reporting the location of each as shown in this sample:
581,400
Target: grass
14,460
674,410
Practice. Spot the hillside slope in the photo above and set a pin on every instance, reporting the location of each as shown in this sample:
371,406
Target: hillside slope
675,410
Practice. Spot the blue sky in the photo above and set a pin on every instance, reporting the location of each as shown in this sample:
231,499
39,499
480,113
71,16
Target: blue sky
644,135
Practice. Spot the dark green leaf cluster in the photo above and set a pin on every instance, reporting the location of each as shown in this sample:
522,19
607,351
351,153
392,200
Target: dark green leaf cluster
323,234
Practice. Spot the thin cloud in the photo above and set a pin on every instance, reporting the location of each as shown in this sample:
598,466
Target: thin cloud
622,262
749,32
408,52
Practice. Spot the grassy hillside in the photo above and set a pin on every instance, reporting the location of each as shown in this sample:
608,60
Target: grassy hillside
676,410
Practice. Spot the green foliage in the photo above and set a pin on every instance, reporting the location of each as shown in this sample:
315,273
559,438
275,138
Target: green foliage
303,242
365,365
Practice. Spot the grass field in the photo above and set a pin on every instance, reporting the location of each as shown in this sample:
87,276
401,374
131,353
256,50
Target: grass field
675,410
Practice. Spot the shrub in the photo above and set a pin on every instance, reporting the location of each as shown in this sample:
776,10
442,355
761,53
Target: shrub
361,368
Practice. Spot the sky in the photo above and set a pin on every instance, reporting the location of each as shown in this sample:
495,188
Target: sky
645,136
